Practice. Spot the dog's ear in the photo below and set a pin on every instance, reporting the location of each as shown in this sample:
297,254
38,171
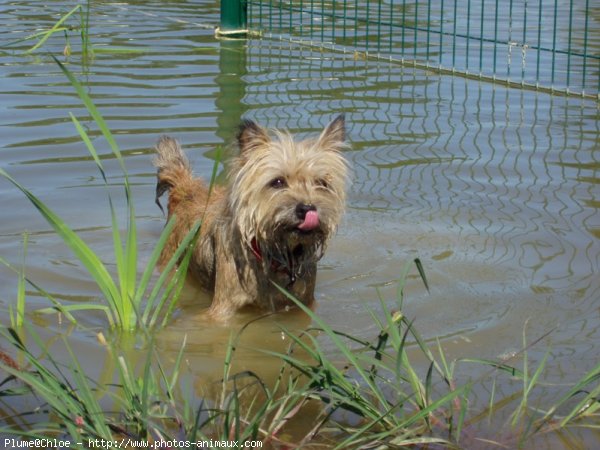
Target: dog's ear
251,136
333,136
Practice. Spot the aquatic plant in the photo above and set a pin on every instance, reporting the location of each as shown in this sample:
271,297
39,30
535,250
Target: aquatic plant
147,407
378,384
17,313
62,27
370,394
73,401
129,300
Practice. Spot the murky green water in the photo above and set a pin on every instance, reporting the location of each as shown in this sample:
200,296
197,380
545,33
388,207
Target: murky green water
494,189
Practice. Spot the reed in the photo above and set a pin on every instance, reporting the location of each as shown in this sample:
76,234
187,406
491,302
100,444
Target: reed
72,402
371,393
17,314
130,300
371,370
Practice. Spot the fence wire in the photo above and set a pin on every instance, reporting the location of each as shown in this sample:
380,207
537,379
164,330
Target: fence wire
544,44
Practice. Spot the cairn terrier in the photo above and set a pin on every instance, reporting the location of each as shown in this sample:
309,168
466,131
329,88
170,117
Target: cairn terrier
268,226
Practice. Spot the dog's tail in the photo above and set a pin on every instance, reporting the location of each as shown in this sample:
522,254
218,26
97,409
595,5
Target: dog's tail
174,171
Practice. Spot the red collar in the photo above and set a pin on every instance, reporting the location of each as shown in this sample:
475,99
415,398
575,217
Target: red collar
276,266
256,250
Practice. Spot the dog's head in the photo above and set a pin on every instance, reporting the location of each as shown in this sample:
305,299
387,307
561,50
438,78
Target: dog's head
287,196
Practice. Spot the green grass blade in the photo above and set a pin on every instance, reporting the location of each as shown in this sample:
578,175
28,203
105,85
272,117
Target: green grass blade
433,406
98,119
175,280
122,306
226,370
591,401
149,270
419,265
90,405
56,390
400,286
588,406
84,20
174,289
57,27
126,259
580,387
462,411
448,370
215,170
345,350
536,375
81,250
131,260
176,366
147,387
20,309
32,36
66,309
120,50
90,146
412,376
178,281
512,371
58,307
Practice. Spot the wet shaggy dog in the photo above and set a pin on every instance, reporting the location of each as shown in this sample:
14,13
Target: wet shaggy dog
268,226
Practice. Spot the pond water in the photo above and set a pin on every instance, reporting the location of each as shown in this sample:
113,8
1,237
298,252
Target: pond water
494,189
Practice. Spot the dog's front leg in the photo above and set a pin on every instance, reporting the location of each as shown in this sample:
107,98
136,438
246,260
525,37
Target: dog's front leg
229,294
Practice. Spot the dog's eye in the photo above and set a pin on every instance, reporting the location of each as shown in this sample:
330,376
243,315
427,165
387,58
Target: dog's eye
322,183
278,183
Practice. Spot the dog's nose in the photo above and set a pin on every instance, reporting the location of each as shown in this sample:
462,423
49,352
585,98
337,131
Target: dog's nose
303,208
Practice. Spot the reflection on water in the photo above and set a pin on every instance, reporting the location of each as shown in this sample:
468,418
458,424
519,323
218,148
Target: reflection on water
252,336
494,189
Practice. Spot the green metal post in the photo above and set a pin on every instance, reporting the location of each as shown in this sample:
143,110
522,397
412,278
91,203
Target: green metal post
234,19
232,88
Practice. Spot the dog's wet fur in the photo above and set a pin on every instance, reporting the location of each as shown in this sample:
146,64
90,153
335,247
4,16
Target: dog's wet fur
268,225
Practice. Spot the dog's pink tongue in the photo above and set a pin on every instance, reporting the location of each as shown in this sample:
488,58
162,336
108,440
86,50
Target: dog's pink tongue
311,221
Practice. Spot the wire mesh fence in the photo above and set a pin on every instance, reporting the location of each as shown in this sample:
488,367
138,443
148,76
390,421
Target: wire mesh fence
542,44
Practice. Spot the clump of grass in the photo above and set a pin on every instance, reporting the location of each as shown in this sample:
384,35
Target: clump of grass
378,386
143,405
247,408
130,300
576,409
62,27
371,395
17,313
587,409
